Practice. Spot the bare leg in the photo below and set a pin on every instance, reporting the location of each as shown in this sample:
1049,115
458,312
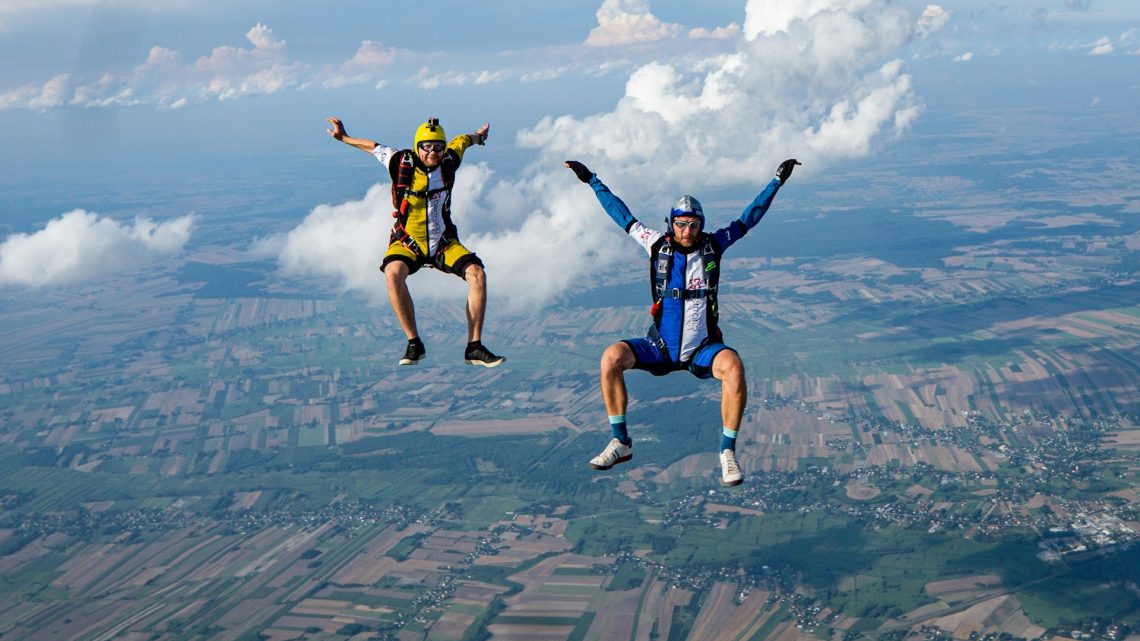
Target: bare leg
476,300
401,299
728,369
615,360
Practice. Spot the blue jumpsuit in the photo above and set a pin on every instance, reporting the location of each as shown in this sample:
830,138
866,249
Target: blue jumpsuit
688,339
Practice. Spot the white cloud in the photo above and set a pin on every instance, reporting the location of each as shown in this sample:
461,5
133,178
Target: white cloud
344,242
52,93
1102,47
80,246
623,22
770,17
235,72
366,65
427,79
933,18
549,73
226,73
719,33
817,80
965,57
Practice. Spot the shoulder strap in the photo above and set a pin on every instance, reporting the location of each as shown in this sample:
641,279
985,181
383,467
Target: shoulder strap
402,169
447,168
660,264
711,252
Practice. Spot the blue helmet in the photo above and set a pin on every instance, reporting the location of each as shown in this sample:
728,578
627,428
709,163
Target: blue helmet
687,206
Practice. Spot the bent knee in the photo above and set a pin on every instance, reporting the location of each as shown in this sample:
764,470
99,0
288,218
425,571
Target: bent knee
475,274
617,356
728,366
396,271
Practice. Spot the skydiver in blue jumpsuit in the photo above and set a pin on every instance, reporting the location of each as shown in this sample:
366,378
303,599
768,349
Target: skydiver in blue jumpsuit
684,276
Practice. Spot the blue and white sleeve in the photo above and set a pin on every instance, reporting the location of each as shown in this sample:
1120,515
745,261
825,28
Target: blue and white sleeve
621,215
749,218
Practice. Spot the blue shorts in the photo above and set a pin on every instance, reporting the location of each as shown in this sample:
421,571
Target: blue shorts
651,359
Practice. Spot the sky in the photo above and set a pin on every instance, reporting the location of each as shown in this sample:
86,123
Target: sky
131,128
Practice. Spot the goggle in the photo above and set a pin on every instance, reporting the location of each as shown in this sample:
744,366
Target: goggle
687,224
431,145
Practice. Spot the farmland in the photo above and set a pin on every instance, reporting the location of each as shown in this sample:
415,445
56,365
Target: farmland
941,439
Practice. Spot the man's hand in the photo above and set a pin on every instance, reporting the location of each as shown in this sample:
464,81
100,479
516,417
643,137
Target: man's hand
581,171
337,131
481,133
784,171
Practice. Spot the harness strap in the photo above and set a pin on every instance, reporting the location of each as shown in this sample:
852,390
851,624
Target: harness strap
401,235
687,294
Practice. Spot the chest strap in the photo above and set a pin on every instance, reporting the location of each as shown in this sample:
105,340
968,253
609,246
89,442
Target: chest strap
686,294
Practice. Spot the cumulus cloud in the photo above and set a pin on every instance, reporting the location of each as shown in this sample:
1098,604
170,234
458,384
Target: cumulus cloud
933,18
52,93
818,80
367,65
343,242
965,57
1077,5
80,246
234,72
1102,47
623,22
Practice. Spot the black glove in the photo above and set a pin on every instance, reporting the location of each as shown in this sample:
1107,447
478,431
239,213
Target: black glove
581,171
784,171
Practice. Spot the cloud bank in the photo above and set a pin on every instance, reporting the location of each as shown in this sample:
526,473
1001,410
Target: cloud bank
819,80
166,80
79,246
342,242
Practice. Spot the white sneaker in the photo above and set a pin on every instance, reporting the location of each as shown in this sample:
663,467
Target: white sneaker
730,473
614,453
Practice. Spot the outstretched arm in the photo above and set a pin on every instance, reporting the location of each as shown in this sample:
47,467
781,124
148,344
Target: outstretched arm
759,206
338,133
613,205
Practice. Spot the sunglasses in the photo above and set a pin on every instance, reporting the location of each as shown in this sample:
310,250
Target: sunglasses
687,224
431,145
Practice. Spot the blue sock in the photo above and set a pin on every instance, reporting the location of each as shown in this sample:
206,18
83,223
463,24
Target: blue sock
617,424
728,439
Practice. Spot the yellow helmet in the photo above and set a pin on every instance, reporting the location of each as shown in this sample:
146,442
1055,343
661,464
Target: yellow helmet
430,130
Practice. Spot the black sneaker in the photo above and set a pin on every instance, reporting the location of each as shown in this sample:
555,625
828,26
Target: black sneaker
479,355
414,353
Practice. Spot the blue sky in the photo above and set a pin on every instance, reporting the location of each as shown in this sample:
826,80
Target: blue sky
112,110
